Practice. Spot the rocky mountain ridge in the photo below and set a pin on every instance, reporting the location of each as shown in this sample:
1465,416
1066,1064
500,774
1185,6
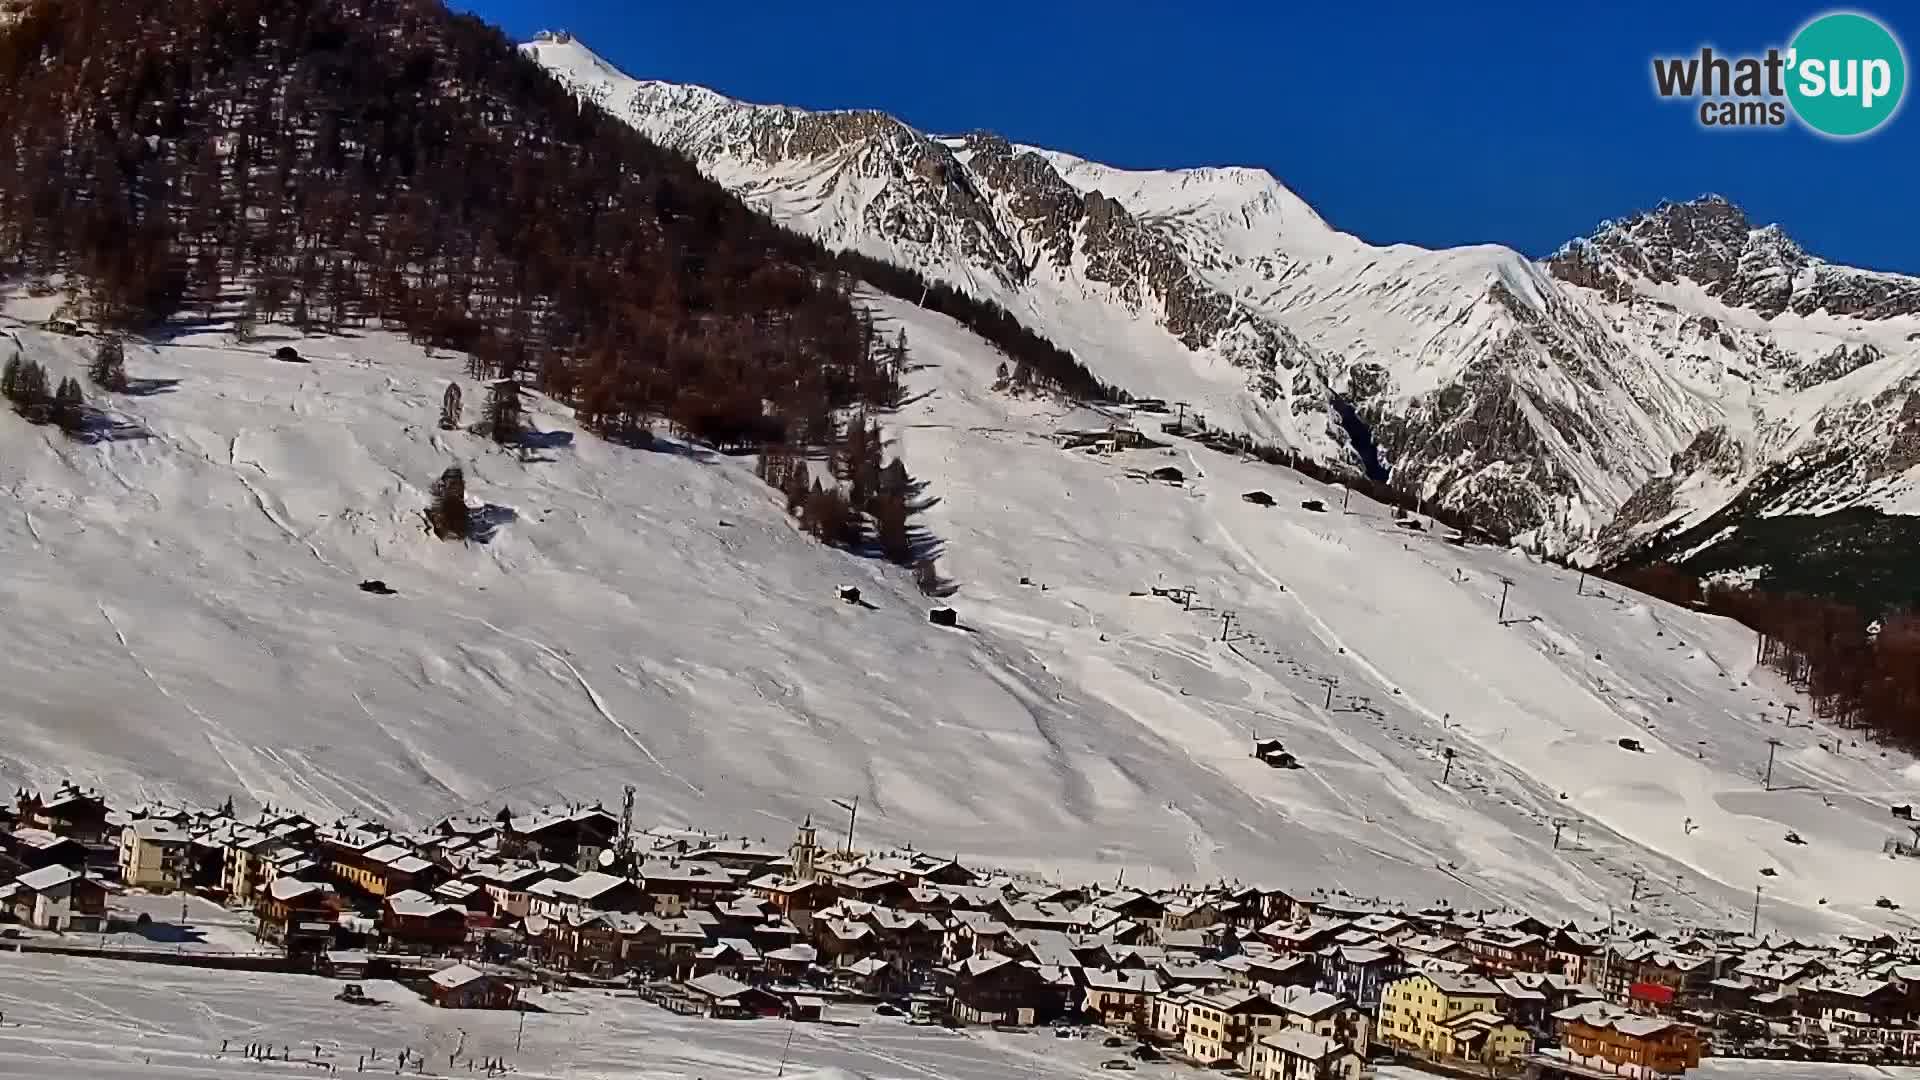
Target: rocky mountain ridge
1543,396
1711,243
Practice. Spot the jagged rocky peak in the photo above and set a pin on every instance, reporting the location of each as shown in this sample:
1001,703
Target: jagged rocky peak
1035,192
1710,242
1704,240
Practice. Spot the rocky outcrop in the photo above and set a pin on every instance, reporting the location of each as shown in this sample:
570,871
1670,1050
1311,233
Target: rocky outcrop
1710,242
1903,450
1715,451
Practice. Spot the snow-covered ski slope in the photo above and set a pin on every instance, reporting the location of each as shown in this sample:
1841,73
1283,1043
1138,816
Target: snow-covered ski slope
183,619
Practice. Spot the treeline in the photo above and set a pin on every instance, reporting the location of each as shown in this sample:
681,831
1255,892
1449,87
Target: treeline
1037,362
1861,675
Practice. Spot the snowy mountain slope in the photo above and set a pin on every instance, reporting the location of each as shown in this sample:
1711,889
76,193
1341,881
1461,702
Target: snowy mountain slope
1543,396
191,627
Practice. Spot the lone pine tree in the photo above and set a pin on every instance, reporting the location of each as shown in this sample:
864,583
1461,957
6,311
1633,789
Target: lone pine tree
503,413
447,512
109,368
450,408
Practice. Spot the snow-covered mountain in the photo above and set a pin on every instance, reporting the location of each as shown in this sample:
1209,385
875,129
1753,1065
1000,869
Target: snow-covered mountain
185,622
1658,366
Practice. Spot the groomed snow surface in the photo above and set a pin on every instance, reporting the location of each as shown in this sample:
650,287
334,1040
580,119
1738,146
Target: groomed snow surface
102,1020
184,622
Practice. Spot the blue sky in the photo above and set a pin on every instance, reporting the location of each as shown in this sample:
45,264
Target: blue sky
1436,124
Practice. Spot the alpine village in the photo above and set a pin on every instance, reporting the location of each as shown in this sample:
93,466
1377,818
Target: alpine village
1277,983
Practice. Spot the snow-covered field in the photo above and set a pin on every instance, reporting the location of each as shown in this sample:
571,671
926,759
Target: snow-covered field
104,1020
178,924
184,622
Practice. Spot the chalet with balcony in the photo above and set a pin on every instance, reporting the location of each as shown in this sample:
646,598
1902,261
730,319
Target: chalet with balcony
1613,1040
1122,1000
1358,973
995,989
75,813
1295,1054
298,916
1507,950
676,885
412,921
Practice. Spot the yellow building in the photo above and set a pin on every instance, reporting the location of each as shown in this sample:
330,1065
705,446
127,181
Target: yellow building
1450,1015
1225,1025
153,855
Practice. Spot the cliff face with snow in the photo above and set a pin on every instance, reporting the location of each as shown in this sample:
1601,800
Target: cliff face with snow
1631,384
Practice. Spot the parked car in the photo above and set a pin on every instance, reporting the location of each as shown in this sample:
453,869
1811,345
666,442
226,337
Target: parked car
1113,1041
1117,1064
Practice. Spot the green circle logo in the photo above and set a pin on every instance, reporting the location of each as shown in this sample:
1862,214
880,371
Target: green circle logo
1847,74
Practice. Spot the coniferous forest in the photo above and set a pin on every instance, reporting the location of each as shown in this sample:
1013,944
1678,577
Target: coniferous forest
1862,673
335,163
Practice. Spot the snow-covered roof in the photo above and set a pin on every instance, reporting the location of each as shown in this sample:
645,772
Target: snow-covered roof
684,872
1599,1014
285,889
1129,982
1302,1001
1457,985
982,963
38,839
153,830
1231,999
1304,1044
48,877
589,886
717,987
412,903
456,976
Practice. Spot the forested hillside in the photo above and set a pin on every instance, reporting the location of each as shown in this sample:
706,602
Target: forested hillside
335,163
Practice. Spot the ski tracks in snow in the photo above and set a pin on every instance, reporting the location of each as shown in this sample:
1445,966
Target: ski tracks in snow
205,720
260,500
593,696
